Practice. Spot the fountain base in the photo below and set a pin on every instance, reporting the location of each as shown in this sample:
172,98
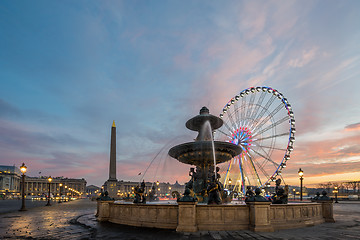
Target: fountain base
187,217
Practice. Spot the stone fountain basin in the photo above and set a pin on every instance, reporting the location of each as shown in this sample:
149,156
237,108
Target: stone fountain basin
190,217
200,152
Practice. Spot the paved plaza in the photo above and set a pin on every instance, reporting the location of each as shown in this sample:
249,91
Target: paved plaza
76,220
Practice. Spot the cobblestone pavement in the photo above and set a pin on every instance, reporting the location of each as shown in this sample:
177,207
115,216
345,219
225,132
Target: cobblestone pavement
76,220
47,222
15,204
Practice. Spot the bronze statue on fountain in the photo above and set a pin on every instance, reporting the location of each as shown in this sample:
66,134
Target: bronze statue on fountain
280,196
139,193
204,182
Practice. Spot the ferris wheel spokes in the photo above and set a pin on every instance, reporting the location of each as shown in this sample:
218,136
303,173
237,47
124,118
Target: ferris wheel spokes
257,178
271,115
272,136
265,108
267,158
258,104
272,125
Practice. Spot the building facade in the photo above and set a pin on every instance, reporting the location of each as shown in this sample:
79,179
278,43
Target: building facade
59,186
9,181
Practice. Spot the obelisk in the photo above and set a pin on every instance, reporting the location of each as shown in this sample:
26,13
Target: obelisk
111,183
112,169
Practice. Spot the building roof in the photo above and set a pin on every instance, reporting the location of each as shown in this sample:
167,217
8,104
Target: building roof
10,169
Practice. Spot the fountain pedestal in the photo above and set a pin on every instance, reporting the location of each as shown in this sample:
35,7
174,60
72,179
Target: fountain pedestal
327,209
187,217
260,217
103,211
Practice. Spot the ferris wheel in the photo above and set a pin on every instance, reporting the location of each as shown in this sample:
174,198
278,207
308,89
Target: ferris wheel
261,121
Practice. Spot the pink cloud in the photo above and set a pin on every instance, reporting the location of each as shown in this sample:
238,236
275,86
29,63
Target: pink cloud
250,24
306,57
353,127
325,158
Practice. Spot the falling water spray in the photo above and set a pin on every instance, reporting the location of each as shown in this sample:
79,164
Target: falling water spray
207,130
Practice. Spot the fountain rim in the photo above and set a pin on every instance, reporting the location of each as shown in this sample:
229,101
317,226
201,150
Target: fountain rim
175,151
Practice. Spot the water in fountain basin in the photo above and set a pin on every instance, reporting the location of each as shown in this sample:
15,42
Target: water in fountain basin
209,137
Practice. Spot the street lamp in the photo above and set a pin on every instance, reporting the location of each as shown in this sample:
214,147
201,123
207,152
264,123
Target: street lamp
23,169
336,193
65,193
301,174
294,192
60,185
157,183
48,203
230,181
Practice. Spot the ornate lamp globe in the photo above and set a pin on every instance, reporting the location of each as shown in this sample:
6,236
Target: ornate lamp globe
301,172
23,168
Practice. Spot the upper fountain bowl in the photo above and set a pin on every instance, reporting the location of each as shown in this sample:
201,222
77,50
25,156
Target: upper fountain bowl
199,153
197,122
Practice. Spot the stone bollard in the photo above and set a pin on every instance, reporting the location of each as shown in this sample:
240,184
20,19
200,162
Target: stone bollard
327,210
103,211
260,217
187,217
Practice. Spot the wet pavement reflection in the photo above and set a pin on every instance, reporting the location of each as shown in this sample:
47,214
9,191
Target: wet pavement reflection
47,221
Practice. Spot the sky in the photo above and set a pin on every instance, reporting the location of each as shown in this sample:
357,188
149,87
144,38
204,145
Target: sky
69,68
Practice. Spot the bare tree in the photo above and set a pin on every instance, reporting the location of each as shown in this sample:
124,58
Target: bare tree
353,186
347,185
341,187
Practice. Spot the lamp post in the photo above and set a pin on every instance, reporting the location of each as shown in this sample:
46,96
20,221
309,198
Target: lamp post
336,193
23,169
294,192
60,185
301,174
48,203
65,193
157,185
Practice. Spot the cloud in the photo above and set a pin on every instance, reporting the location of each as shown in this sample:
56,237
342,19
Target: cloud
23,139
306,57
8,110
250,24
339,155
353,127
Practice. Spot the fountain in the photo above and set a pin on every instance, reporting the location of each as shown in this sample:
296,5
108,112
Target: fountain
187,215
204,153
